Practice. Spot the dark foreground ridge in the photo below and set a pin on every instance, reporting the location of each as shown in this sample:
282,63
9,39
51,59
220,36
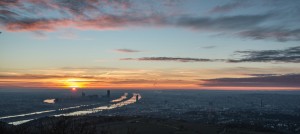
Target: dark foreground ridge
125,125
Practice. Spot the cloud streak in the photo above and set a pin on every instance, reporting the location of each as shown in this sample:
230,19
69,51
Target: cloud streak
287,80
226,7
209,47
279,34
127,51
229,23
38,76
289,55
176,59
105,22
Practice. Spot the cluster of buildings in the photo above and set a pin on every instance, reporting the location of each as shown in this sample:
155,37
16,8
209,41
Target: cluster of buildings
94,96
263,112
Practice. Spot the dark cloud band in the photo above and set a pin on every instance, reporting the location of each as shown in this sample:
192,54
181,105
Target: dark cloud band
288,80
171,59
289,55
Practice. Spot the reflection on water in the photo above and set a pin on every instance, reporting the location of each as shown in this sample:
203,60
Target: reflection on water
99,109
79,106
46,111
50,101
20,122
123,97
21,115
120,103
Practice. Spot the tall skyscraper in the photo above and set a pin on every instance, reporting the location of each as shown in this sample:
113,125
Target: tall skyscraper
108,93
137,98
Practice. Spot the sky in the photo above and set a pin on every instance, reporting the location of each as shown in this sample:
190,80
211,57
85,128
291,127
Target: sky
150,44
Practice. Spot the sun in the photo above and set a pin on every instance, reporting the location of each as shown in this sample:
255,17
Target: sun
74,83
74,89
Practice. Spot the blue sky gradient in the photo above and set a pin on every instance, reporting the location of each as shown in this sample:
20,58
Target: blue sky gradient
150,44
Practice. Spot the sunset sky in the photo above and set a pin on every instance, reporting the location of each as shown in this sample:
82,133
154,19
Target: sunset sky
150,44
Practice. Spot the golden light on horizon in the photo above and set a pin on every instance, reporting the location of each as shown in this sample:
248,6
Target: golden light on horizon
75,83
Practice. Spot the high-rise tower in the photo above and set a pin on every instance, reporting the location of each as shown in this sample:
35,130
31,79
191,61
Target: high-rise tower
108,93
137,98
